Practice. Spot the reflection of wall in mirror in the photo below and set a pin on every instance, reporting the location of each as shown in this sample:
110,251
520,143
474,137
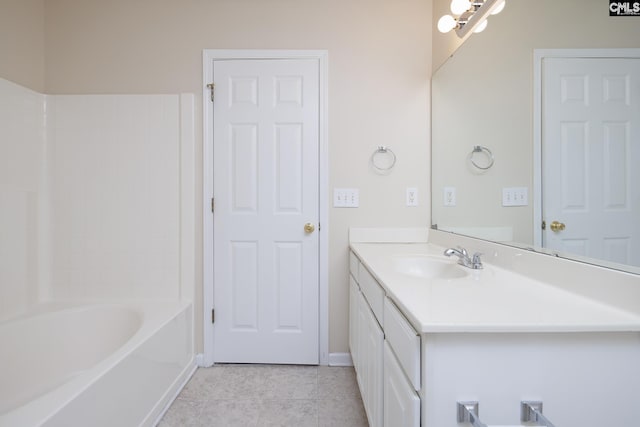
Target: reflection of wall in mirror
483,95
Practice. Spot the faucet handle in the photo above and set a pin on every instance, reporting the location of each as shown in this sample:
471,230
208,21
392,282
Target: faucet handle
463,251
476,261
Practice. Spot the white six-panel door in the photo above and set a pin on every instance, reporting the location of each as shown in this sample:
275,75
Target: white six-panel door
591,153
266,166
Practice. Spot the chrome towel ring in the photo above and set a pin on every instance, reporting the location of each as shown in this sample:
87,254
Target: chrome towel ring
383,159
482,150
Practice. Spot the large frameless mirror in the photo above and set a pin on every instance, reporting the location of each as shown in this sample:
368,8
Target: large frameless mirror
536,132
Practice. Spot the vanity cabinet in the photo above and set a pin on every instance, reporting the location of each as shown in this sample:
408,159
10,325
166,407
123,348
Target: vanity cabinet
386,353
495,337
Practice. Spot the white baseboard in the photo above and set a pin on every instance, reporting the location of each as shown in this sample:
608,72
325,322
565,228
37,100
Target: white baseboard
335,359
200,361
340,359
163,405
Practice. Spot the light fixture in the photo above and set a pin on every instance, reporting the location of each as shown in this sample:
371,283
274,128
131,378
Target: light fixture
471,16
498,7
458,7
481,26
446,23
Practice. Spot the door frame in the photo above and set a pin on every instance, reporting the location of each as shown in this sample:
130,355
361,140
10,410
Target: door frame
538,56
208,57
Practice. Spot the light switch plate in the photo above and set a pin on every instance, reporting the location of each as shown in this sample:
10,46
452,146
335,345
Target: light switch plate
346,198
515,196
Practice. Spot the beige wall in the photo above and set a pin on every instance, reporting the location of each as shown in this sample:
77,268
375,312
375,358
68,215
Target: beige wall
22,42
379,64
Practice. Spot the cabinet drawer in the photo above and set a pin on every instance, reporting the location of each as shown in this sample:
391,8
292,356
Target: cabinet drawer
404,340
373,292
354,265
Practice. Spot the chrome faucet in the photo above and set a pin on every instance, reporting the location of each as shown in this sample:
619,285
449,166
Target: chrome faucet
474,262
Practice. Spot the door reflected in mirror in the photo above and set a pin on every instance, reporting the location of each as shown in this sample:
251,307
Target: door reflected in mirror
590,121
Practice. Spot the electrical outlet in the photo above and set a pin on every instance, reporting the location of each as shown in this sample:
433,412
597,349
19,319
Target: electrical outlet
412,196
515,196
449,196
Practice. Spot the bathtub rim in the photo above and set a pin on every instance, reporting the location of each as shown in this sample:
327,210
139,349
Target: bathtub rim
155,314
46,324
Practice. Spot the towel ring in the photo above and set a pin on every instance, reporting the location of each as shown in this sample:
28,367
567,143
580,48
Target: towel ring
486,152
381,165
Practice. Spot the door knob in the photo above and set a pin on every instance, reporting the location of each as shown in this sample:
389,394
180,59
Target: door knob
557,226
309,228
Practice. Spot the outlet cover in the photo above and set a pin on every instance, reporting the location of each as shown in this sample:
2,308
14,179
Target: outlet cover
449,196
412,196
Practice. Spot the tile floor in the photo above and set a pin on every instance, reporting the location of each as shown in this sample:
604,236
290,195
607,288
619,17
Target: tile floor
268,395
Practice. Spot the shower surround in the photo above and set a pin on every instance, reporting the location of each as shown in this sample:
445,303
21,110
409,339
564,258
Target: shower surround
97,207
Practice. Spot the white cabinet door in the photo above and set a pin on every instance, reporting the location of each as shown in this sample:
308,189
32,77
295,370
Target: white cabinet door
369,358
401,403
354,297
361,345
374,353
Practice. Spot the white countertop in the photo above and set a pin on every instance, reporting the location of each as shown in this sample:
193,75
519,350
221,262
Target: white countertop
493,299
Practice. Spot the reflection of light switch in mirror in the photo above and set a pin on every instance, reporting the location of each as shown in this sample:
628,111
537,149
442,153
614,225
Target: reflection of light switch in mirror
449,196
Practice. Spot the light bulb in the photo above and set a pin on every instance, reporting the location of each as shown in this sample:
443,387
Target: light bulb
458,7
498,8
481,26
446,24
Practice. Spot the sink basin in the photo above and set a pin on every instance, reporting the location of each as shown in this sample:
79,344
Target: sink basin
428,267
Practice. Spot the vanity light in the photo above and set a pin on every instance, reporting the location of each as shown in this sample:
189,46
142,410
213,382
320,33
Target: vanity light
446,23
498,8
472,16
481,26
458,7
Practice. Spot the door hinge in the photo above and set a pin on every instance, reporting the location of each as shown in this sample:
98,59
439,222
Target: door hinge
213,204
211,87
213,315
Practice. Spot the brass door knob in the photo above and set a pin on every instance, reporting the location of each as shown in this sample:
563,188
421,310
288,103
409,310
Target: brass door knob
557,226
309,228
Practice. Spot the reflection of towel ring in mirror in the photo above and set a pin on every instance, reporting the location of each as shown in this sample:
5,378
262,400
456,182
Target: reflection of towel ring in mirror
383,163
486,152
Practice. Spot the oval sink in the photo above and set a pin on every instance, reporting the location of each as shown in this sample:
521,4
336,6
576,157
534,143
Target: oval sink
428,267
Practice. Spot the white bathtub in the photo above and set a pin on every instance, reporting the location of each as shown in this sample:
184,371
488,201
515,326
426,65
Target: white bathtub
94,364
